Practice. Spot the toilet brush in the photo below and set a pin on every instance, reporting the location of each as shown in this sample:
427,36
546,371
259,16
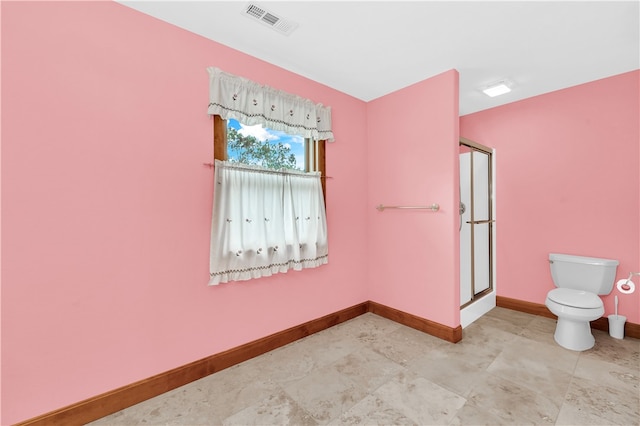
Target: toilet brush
615,301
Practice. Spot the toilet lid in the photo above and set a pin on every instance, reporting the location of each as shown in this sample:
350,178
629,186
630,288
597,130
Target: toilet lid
576,298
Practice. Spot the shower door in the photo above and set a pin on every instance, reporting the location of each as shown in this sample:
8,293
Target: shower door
476,222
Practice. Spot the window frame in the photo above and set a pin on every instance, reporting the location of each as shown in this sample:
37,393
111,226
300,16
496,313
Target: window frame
314,152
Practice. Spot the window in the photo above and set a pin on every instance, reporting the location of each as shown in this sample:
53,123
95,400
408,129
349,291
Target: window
264,147
233,142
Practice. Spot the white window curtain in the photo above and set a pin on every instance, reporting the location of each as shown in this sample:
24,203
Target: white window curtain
250,103
264,222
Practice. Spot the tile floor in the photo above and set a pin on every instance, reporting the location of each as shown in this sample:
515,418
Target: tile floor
372,371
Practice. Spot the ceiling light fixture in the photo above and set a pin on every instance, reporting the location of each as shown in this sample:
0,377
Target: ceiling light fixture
499,88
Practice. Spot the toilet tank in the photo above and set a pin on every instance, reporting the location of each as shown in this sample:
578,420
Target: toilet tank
583,273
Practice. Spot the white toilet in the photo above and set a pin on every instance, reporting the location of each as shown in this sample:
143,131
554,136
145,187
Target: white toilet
576,302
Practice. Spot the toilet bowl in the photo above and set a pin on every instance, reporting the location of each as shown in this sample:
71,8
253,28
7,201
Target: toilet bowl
576,302
575,309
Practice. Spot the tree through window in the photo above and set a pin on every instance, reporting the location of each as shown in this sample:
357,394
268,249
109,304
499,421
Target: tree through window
255,145
268,148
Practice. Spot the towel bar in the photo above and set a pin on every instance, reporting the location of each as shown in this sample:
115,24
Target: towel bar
433,207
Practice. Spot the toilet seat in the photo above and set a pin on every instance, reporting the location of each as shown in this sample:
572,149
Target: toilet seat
575,298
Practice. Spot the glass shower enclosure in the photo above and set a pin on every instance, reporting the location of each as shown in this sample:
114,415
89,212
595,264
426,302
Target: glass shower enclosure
476,224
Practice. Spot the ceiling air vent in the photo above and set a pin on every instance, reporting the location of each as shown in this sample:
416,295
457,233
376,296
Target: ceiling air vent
269,19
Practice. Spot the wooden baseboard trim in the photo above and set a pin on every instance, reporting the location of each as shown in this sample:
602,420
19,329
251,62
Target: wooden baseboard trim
630,329
523,306
449,334
126,396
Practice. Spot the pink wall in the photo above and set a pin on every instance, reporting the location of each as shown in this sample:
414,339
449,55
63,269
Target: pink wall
567,181
413,160
107,206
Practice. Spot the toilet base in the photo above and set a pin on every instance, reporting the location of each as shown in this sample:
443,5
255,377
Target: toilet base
574,335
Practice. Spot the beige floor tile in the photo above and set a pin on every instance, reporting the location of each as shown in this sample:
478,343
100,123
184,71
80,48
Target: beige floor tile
298,359
547,370
419,399
367,369
233,391
372,411
571,415
510,316
541,330
325,393
456,374
624,352
486,334
276,409
468,351
185,405
618,406
365,328
608,374
406,344
513,403
471,414
505,322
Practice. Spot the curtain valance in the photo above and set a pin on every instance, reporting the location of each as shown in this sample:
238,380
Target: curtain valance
251,103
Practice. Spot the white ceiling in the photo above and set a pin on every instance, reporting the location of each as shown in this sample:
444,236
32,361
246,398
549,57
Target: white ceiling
371,48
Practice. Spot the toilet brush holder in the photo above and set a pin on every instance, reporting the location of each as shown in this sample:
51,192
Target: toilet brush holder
616,326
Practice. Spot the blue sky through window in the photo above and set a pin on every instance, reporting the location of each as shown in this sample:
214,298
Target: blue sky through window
296,143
